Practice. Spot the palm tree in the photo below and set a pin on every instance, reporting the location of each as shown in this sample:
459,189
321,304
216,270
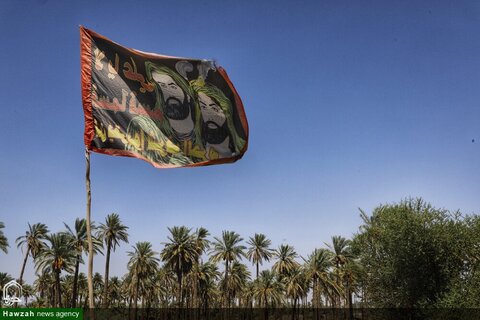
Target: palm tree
142,265
111,233
78,240
180,254
208,275
268,291
286,260
259,250
340,249
115,290
296,286
42,284
352,270
82,289
98,286
3,239
317,268
33,240
166,285
239,276
67,288
368,222
201,244
248,294
60,255
227,249
4,279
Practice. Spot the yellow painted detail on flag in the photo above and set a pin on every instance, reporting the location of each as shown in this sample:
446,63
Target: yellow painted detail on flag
100,134
213,154
163,148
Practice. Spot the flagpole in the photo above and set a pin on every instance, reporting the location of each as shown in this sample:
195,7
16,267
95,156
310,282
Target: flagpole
89,232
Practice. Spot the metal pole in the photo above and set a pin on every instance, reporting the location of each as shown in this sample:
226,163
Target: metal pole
91,303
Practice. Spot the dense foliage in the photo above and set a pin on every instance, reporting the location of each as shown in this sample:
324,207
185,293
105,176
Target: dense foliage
408,254
414,255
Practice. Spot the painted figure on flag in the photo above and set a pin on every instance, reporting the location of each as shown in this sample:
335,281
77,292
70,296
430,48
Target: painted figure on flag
175,98
217,129
171,112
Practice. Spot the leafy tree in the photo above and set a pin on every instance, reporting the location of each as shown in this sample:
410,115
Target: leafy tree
464,290
410,253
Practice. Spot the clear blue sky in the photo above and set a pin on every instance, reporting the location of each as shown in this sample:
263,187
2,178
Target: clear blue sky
350,104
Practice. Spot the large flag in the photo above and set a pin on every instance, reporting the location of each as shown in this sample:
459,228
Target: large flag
168,111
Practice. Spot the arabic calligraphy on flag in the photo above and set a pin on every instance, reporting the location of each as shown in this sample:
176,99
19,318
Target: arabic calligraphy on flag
168,111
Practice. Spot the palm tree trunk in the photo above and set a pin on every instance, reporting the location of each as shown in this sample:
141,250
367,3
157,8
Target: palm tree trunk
227,302
314,294
257,269
195,290
58,289
107,268
53,294
350,302
180,288
315,297
135,296
23,266
294,307
75,283
137,285
266,306
180,281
